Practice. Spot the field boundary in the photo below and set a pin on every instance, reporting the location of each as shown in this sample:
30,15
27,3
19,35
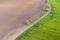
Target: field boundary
13,37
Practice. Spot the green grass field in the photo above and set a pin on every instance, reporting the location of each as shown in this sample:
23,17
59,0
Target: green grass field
46,29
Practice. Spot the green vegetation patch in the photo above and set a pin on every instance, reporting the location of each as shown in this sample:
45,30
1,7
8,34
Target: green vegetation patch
46,29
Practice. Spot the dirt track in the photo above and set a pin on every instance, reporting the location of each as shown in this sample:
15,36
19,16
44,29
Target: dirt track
14,13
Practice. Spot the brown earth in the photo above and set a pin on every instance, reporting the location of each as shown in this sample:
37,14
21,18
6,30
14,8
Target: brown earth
14,13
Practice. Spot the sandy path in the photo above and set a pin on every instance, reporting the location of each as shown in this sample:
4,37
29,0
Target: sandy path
14,13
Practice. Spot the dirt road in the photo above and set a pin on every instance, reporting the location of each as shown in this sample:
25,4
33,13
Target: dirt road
14,13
